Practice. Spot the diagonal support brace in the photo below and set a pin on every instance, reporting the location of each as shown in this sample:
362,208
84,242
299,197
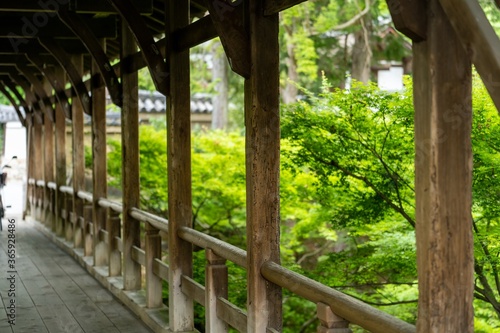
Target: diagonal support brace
229,22
74,77
81,29
152,55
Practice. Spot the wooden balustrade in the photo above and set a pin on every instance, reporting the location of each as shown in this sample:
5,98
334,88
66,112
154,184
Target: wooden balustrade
335,310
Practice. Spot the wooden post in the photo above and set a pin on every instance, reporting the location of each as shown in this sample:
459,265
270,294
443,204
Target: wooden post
78,157
68,225
115,256
60,151
130,163
329,321
153,282
99,156
38,165
29,168
262,168
442,97
215,286
179,172
48,153
88,239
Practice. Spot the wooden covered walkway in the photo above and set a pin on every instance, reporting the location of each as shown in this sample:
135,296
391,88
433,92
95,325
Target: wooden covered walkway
57,57
54,293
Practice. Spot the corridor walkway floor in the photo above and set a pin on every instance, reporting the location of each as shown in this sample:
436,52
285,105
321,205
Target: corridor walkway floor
52,292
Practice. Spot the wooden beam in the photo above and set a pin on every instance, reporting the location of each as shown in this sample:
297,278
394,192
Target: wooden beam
194,34
21,45
15,26
443,181
87,6
130,164
262,124
103,65
145,40
228,20
409,17
479,39
144,7
74,75
181,317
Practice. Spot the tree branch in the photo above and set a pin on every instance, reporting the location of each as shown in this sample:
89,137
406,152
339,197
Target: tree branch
488,255
355,18
369,184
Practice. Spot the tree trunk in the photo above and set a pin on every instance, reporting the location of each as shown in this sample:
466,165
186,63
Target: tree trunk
220,100
361,53
289,93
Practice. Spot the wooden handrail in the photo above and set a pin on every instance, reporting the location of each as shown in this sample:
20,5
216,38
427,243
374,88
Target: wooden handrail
66,189
87,196
156,221
106,203
347,307
222,249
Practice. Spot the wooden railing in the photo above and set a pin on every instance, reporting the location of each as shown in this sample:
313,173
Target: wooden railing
335,310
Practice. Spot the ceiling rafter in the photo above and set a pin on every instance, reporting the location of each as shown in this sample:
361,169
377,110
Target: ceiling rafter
80,28
49,74
144,37
74,77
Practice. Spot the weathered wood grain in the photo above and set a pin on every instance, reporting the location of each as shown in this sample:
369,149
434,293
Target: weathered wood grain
181,316
262,168
130,164
443,183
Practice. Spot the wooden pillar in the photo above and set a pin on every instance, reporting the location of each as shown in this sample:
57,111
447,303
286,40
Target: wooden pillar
115,256
262,168
29,163
130,163
179,172
442,97
48,153
216,284
60,156
78,159
88,240
153,282
99,156
38,166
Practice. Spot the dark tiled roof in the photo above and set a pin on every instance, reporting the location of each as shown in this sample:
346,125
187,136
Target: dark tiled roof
154,102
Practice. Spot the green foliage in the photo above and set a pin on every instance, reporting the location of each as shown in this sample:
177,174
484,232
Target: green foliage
347,197
358,144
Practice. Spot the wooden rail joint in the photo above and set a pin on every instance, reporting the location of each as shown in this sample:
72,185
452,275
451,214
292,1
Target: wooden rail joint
329,321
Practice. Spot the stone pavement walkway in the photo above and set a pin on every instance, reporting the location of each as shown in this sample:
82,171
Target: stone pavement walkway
52,292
